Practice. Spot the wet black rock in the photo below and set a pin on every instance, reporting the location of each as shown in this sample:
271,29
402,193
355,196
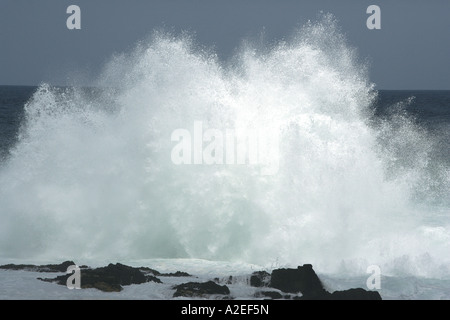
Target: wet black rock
109,279
305,281
355,294
159,274
149,270
199,289
260,279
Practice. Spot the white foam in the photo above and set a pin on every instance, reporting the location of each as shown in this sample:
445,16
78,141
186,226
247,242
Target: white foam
91,176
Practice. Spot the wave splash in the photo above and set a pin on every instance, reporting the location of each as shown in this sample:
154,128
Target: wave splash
91,175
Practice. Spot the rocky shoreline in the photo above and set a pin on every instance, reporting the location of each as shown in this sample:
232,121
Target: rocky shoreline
301,283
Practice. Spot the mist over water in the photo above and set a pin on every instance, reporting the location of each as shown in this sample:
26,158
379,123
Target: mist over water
91,175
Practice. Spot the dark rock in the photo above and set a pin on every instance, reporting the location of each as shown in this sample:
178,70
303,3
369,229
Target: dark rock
198,289
62,267
176,274
159,274
149,270
118,273
152,279
260,279
355,294
110,278
103,286
303,279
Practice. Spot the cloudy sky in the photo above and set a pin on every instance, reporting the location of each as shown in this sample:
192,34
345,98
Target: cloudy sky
410,51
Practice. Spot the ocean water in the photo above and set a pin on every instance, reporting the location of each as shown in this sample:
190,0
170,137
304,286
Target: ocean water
359,176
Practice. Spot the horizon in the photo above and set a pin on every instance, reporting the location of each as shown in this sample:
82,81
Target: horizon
96,87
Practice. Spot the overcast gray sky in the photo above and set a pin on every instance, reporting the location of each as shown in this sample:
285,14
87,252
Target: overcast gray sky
411,51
